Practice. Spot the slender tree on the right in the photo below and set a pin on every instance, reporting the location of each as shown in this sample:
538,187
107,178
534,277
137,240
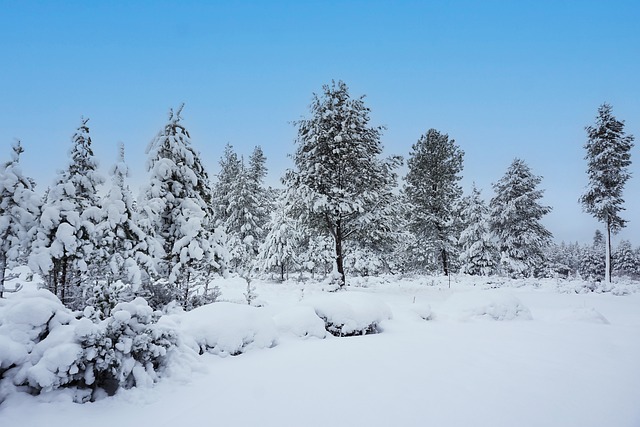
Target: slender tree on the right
608,160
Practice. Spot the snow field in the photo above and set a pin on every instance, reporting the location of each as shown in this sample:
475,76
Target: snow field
479,360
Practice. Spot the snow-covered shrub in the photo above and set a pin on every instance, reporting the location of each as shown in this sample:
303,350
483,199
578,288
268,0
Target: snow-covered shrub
583,314
25,321
45,346
301,321
126,349
202,297
104,297
350,313
423,310
487,305
227,329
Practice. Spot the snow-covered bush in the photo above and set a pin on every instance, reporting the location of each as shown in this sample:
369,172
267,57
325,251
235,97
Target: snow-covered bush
226,328
127,349
300,321
350,313
45,346
423,310
583,314
489,305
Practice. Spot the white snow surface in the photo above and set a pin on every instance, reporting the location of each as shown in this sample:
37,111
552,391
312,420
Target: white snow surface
530,353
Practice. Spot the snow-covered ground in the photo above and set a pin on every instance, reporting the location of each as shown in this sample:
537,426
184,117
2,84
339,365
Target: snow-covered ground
521,353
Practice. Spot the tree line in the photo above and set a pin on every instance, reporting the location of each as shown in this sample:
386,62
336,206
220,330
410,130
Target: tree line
341,210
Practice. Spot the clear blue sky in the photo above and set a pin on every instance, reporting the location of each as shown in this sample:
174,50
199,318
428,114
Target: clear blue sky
505,79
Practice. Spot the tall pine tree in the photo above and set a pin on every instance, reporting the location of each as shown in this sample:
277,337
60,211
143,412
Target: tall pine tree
65,242
515,214
608,160
342,185
432,190
178,204
126,251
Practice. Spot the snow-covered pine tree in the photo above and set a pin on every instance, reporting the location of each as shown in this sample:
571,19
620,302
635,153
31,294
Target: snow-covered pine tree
515,214
372,253
257,173
478,251
178,205
625,260
316,252
244,213
229,172
563,259
126,252
592,261
608,160
344,189
19,208
432,190
65,241
279,249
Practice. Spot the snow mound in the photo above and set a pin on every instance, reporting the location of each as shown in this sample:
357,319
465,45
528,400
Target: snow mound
350,313
225,328
301,321
485,305
423,310
583,314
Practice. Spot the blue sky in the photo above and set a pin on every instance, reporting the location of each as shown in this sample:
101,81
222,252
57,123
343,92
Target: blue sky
505,79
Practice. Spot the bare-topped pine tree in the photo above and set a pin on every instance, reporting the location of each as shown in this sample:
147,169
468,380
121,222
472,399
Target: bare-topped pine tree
608,160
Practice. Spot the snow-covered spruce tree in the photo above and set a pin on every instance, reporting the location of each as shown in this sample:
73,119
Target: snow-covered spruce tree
432,191
126,253
229,171
257,173
19,208
316,252
178,205
625,260
372,253
478,252
592,258
515,214
563,259
344,189
65,242
279,249
246,209
608,160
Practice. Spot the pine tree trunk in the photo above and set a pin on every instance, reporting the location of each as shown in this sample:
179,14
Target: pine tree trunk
607,268
63,281
281,272
3,266
339,256
445,264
